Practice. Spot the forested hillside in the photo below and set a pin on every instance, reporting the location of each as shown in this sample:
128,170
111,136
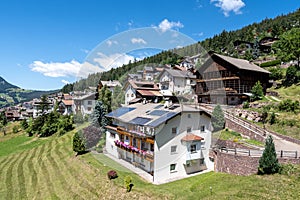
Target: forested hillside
220,43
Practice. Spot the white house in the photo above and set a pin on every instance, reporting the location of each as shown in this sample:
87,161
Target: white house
169,143
84,104
176,82
111,84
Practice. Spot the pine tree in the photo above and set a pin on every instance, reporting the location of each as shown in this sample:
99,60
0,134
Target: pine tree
98,118
268,163
218,120
3,122
79,144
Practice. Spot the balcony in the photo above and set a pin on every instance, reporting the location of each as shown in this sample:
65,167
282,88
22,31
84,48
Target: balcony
148,155
195,165
136,131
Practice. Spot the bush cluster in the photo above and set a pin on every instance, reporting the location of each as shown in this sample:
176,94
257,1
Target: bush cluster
289,106
128,183
92,135
112,174
48,124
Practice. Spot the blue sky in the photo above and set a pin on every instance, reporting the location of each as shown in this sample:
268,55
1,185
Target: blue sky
44,44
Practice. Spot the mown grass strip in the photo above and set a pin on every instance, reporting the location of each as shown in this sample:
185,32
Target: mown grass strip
61,177
10,189
45,176
73,172
21,177
31,167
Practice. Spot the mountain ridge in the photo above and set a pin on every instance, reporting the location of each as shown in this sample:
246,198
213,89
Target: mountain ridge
11,94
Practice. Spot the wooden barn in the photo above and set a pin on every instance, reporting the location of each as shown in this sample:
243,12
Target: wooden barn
227,80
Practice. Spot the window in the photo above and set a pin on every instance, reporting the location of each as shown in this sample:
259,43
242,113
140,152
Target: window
202,161
173,149
152,147
172,167
193,148
143,145
127,95
174,130
202,128
89,108
189,116
131,95
189,129
90,102
134,142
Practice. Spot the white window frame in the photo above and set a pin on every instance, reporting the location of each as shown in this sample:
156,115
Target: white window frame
173,149
171,166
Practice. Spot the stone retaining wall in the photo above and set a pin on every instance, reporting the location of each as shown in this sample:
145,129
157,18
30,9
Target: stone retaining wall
241,165
240,129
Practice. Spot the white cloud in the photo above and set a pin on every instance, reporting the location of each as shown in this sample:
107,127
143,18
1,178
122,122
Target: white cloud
228,6
56,69
88,68
65,82
111,42
138,41
113,60
167,25
66,69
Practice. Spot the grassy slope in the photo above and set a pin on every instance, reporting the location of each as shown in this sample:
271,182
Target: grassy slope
293,93
49,170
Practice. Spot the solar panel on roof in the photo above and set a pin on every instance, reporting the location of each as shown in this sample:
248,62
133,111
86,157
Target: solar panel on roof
119,112
158,106
162,119
140,120
158,112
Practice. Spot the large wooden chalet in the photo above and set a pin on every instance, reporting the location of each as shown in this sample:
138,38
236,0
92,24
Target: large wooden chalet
227,80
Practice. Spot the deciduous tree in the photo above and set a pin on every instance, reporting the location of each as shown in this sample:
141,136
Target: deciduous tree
257,91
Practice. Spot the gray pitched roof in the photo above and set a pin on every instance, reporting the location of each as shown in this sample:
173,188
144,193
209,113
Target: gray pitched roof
242,64
179,73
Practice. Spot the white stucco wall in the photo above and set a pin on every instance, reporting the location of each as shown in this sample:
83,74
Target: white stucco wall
130,94
163,157
110,144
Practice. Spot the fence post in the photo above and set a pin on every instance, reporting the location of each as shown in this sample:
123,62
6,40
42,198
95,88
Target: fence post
296,154
281,154
249,152
235,151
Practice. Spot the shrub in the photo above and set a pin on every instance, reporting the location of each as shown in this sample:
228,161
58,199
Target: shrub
79,145
270,63
15,129
272,118
246,104
287,169
112,174
61,132
24,124
128,183
288,105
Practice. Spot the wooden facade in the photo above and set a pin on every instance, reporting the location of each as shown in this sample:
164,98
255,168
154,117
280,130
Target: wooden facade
227,80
